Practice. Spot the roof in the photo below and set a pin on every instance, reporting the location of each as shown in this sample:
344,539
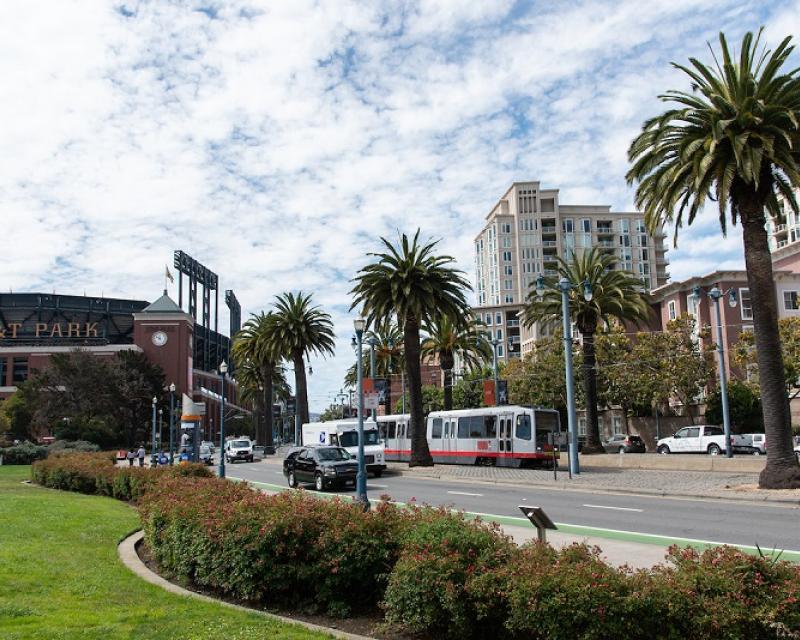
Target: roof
164,304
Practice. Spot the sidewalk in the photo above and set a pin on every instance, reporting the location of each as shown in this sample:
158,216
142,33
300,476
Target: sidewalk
683,484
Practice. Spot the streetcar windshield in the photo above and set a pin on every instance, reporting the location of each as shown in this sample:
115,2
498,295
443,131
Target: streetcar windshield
546,423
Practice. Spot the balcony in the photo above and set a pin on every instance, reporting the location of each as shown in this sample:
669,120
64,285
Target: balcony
605,243
780,228
548,229
550,272
605,231
549,243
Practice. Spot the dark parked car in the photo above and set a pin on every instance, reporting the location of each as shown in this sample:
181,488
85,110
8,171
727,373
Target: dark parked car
324,466
620,443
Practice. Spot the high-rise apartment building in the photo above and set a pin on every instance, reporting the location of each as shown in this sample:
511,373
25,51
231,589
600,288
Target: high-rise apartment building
787,231
527,230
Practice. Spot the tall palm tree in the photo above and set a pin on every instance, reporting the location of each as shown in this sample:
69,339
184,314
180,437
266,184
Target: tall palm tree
446,340
301,329
411,284
734,139
257,356
251,379
616,294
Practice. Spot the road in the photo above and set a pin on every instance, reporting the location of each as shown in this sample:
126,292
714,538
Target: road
648,519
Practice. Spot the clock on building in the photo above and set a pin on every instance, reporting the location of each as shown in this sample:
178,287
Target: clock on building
159,338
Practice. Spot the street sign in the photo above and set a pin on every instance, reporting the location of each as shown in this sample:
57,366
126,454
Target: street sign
276,411
291,405
372,400
539,519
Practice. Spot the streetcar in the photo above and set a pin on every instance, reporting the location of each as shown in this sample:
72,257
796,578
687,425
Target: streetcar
503,436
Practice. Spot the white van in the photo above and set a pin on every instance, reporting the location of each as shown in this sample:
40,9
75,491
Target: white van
344,433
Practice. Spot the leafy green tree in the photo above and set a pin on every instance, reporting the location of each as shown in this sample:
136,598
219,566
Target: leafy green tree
412,285
744,408
18,412
619,380
446,340
468,392
733,140
744,355
302,329
432,400
616,295
258,354
388,339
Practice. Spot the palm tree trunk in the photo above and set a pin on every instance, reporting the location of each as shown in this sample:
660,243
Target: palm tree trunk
448,389
590,388
300,388
420,454
781,470
266,400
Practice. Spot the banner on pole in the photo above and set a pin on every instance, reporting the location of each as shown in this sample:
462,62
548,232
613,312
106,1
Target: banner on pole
488,393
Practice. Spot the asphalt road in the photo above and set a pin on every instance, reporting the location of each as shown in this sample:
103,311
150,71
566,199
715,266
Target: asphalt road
632,517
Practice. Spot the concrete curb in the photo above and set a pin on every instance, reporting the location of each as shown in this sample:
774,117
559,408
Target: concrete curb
130,558
622,491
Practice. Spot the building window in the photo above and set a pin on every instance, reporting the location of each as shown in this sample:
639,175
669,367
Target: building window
790,301
508,284
671,310
505,228
499,350
20,370
508,270
567,225
506,243
616,422
747,305
509,298
581,426
3,370
498,334
489,319
498,317
506,256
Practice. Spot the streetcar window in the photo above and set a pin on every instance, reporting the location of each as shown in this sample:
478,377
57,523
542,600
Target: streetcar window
476,427
436,428
524,426
547,421
490,427
463,427
390,429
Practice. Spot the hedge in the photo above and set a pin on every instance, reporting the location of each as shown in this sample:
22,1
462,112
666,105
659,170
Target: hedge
431,571
28,452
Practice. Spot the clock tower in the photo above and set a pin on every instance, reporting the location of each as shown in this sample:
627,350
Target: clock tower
165,332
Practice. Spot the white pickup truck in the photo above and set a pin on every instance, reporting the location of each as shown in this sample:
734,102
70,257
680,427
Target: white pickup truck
700,438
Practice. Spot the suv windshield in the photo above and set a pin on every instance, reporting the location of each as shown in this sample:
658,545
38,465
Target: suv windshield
240,444
350,438
333,454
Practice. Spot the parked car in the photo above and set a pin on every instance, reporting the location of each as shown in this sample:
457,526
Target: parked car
621,443
205,455
797,452
757,443
324,466
701,438
239,449
209,444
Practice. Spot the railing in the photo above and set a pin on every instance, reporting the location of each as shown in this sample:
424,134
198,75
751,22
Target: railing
605,230
548,229
549,243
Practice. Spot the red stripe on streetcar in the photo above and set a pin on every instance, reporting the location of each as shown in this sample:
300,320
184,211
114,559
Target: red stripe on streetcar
479,454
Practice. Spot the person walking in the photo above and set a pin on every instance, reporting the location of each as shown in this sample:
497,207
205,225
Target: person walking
130,455
140,454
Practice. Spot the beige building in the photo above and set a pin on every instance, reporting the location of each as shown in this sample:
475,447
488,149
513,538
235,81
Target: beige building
526,231
785,233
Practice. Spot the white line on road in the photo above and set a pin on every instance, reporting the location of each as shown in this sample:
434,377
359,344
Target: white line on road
601,506
377,486
464,493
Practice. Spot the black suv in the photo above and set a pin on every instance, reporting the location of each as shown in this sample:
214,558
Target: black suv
324,466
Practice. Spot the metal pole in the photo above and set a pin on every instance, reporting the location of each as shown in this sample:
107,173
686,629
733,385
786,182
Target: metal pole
372,372
153,450
171,424
221,430
723,382
574,468
494,362
361,478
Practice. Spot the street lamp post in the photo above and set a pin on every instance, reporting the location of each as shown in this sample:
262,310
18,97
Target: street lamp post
361,479
372,344
171,422
223,369
715,294
153,450
565,286
494,342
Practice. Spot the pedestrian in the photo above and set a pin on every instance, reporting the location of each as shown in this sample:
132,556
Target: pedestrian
130,455
140,454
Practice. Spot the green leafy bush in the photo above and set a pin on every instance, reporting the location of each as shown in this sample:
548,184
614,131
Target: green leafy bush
24,453
78,446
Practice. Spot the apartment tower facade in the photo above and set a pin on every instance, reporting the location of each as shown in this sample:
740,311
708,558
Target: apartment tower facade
525,233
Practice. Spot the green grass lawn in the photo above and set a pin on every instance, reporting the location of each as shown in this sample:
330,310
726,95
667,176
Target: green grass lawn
60,576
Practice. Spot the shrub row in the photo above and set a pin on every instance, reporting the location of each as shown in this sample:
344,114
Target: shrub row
432,571
95,473
28,452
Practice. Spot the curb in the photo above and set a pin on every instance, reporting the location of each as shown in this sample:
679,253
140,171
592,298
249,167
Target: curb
637,492
130,558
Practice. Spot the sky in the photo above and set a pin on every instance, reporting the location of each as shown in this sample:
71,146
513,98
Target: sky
276,142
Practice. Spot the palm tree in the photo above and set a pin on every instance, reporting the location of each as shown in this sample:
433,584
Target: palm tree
258,370
412,285
300,330
616,294
735,139
446,340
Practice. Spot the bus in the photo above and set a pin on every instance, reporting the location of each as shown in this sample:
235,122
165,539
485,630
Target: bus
503,436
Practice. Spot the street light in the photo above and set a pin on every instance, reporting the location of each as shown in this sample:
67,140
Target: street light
361,479
565,286
171,422
715,294
373,342
153,450
223,369
390,344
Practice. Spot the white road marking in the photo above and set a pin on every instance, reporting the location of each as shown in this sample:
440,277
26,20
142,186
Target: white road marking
377,486
464,493
280,473
601,506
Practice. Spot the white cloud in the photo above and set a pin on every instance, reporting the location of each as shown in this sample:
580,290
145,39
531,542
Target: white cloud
276,141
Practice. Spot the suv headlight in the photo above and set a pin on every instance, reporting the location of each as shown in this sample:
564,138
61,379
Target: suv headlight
330,471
